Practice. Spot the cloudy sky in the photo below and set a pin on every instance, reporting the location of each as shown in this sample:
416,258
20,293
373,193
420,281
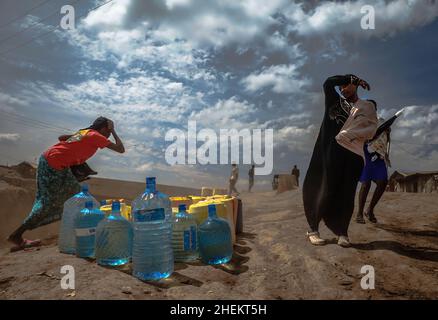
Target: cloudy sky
154,65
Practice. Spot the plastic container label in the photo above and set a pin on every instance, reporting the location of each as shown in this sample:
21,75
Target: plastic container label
149,215
194,237
186,240
189,239
85,232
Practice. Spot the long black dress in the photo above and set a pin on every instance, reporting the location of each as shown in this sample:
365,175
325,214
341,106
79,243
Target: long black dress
330,184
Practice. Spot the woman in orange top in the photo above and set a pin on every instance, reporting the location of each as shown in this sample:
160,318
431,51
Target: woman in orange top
55,180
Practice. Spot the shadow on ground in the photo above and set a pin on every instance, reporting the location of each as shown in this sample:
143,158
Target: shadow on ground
419,253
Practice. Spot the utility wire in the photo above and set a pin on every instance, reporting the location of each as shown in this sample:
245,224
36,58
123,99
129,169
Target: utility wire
50,31
32,25
24,14
414,143
37,124
413,155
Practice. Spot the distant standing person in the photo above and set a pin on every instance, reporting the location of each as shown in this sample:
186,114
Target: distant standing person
233,179
296,173
251,178
377,161
55,180
330,184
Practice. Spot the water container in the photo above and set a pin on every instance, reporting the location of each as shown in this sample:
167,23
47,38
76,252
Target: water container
152,199
105,206
86,224
152,254
224,209
114,236
185,236
215,244
72,207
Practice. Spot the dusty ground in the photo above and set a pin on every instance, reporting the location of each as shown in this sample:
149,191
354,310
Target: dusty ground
272,260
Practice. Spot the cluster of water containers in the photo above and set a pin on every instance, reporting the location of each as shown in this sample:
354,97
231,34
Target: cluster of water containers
153,240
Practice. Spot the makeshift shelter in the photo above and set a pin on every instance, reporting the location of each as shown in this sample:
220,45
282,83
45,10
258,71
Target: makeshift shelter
284,182
418,182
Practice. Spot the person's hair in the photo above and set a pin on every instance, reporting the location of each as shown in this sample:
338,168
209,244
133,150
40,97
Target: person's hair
99,124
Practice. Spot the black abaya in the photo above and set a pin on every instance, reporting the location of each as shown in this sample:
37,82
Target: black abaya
330,184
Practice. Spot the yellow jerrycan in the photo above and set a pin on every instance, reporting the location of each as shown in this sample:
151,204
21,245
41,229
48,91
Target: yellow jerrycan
125,210
196,199
223,210
177,201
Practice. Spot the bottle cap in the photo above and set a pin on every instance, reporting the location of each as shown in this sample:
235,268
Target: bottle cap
150,180
84,187
211,209
115,207
182,207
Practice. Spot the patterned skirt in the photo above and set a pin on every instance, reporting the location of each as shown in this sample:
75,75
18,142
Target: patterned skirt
54,187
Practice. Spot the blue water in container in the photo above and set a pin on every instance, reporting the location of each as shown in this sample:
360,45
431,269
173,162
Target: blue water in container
114,236
215,242
86,224
151,199
185,236
152,254
72,208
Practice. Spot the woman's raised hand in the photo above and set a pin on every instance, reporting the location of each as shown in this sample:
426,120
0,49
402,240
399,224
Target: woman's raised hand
110,125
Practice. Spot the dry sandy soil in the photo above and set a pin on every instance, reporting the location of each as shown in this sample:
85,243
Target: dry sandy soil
272,258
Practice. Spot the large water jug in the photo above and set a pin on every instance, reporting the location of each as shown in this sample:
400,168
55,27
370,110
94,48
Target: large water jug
114,236
185,236
152,254
86,224
215,242
152,199
72,207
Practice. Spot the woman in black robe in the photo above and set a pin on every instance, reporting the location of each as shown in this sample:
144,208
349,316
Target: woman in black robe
330,184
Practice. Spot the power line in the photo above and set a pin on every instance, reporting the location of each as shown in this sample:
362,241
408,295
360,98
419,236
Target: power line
50,31
414,143
29,122
24,14
413,155
34,120
31,26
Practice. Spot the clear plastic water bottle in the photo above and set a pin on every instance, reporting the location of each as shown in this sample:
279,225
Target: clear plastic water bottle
86,224
72,207
152,254
152,199
185,236
114,237
215,242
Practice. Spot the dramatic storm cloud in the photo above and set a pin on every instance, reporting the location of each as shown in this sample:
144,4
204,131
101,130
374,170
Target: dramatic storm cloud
154,65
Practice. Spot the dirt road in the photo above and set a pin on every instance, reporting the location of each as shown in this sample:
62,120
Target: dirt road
272,260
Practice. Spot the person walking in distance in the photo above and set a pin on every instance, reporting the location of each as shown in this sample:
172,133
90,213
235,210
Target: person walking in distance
233,180
337,161
251,178
296,173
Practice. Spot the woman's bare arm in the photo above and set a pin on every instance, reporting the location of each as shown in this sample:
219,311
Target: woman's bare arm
118,146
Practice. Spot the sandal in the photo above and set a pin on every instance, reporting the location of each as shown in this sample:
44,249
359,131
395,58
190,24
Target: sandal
360,219
26,244
315,239
344,242
371,217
